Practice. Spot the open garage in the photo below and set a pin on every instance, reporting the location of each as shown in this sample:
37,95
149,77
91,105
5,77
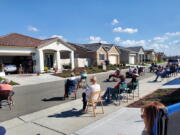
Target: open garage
25,61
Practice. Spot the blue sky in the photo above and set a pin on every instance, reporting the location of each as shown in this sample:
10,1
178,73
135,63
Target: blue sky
150,23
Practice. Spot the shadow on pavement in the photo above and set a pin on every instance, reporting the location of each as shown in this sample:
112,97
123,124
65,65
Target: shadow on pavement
53,99
70,113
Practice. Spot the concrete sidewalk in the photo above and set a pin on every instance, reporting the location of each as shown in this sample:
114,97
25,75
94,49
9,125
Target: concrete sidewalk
67,119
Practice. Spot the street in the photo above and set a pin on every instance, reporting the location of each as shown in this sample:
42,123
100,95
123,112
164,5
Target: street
33,98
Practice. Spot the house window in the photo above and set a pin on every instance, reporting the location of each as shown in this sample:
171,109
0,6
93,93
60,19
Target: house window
101,57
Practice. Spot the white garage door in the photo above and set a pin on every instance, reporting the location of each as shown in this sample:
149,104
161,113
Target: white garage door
113,59
131,60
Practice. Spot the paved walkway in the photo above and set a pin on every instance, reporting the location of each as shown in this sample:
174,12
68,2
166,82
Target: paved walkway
66,118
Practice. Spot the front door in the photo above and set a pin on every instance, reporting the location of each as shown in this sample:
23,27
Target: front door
49,60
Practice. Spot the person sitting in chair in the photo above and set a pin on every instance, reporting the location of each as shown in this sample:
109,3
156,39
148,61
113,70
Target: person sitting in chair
92,88
116,74
5,86
109,91
70,85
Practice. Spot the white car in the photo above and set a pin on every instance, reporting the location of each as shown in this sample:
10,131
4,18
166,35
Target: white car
9,68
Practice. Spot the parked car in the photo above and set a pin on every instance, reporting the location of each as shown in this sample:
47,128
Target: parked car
174,61
10,68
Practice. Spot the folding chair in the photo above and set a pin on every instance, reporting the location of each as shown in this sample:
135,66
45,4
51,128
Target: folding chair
168,121
6,97
93,102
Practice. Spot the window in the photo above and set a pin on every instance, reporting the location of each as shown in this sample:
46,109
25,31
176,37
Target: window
101,57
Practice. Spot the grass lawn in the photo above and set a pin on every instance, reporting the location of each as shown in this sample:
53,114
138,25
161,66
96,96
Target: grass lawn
167,97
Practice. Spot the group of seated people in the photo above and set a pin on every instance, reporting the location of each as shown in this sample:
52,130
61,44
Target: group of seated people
110,91
6,92
164,72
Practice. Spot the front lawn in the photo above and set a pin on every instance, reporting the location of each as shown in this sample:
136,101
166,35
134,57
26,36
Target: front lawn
167,97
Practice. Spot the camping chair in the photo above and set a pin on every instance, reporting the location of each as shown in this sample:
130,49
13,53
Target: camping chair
135,87
70,87
168,121
6,97
93,102
123,89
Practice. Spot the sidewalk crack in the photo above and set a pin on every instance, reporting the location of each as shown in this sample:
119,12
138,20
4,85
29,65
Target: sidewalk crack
49,128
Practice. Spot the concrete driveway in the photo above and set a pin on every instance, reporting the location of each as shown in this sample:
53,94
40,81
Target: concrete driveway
32,79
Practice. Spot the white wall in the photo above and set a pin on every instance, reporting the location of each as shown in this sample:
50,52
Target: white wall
82,62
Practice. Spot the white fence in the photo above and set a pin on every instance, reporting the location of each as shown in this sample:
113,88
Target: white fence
79,62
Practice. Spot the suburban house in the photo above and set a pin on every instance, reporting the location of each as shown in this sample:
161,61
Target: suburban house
96,53
127,56
140,54
160,56
150,55
34,54
82,55
101,52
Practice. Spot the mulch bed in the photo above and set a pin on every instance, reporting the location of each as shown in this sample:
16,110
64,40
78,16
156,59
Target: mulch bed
167,97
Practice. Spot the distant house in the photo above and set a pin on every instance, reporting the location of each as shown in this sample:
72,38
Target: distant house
150,55
34,54
127,56
160,56
98,53
140,56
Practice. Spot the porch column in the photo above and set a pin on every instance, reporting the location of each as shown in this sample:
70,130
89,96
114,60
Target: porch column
40,61
72,59
58,62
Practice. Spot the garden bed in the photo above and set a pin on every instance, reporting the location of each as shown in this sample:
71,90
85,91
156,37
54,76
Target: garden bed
167,97
11,82
90,70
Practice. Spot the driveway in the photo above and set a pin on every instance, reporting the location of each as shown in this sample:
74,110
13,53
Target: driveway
32,79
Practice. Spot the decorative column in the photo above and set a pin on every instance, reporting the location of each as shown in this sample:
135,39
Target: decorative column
58,62
40,61
72,59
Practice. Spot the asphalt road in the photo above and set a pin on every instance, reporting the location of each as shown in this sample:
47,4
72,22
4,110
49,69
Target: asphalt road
33,98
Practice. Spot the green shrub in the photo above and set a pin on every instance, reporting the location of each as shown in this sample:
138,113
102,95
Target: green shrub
45,69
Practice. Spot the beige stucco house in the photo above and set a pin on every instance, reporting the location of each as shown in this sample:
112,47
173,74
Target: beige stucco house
98,53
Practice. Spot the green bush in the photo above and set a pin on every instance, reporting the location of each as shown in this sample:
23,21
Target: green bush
67,66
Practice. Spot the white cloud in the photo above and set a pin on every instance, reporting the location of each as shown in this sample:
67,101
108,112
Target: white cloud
128,43
32,28
125,30
160,39
114,22
94,39
59,36
117,39
172,34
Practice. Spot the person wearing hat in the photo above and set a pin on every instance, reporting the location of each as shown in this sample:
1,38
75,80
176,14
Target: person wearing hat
5,86
92,88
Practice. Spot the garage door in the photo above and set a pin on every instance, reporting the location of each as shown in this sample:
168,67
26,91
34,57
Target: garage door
113,59
131,60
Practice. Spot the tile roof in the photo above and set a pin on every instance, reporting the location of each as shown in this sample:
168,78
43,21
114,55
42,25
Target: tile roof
19,40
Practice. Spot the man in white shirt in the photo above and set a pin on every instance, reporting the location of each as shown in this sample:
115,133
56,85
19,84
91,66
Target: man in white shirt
92,88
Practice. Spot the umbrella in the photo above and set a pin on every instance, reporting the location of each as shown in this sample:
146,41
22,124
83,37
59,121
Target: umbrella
174,84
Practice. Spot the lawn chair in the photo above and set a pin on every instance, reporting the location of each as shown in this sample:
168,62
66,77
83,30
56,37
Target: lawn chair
123,89
135,87
93,102
168,121
71,87
6,97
